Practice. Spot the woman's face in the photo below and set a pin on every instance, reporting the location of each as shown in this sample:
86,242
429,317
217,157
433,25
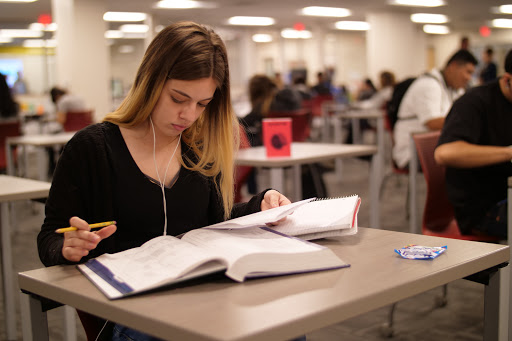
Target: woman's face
181,103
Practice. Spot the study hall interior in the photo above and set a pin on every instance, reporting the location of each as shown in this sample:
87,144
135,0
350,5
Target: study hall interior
80,47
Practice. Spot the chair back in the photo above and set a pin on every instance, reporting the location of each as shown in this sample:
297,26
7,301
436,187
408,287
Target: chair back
317,101
77,120
242,172
301,122
438,215
9,128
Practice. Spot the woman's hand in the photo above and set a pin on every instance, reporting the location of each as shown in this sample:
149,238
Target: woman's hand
273,199
77,244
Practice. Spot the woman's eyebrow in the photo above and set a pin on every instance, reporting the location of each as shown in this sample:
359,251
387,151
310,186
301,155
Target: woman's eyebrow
186,95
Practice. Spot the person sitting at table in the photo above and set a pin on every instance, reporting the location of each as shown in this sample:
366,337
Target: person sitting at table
475,146
379,98
162,163
427,101
66,103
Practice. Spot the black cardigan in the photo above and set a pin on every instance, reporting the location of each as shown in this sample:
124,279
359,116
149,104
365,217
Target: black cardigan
97,180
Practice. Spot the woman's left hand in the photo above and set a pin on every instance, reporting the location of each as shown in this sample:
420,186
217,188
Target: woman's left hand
273,199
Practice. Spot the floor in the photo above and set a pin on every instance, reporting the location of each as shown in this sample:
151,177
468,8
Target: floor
416,318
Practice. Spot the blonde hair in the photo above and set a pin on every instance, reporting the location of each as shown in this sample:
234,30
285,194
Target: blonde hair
189,51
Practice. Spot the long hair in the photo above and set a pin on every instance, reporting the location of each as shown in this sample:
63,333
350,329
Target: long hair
262,90
189,51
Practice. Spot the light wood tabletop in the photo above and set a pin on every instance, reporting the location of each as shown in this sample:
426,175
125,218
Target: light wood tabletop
278,308
12,189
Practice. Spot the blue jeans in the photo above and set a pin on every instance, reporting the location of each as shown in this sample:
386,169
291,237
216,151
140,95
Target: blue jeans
122,333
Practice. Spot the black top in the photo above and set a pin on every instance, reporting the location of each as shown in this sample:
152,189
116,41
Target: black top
482,116
97,180
489,73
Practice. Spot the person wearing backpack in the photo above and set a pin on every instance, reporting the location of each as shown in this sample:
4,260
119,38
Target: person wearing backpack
427,101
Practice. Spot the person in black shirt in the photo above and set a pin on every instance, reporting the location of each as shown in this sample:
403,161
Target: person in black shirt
161,164
475,146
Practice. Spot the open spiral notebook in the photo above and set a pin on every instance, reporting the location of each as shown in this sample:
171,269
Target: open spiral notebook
307,219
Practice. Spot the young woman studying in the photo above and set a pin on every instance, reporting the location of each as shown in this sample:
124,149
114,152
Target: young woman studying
162,163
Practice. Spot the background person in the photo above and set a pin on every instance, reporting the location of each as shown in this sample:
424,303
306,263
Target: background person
475,147
65,103
162,163
489,70
428,100
8,107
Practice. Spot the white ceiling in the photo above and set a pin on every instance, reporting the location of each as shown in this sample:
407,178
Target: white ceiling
466,16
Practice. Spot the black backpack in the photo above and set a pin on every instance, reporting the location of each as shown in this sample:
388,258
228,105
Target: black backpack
394,103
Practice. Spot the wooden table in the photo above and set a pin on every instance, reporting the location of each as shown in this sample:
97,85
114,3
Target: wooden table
277,308
12,189
38,141
306,153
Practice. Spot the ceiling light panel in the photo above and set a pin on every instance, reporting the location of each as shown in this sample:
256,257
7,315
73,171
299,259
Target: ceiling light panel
20,33
262,38
183,4
436,29
352,25
502,23
418,3
134,28
251,21
290,33
124,16
507,9
326,11
428,18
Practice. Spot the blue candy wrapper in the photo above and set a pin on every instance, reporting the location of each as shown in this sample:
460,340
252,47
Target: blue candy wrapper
420,252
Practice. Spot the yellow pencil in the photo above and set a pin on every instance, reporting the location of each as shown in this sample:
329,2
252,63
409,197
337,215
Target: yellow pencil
93,226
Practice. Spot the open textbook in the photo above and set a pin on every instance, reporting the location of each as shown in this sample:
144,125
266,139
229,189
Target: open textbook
241,253
307,219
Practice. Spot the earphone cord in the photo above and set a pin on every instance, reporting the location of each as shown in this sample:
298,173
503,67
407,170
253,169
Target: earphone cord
162,185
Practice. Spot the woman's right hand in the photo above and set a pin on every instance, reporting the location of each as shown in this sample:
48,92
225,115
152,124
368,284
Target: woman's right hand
77,244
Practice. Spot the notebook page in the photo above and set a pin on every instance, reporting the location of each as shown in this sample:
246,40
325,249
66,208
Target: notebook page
321,215
259,218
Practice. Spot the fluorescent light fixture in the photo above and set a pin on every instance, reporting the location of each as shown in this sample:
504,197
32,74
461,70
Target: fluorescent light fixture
134,35
183,4
352,25
502,23
41,27
262,38
507,9
126,49
251,21
39,43
436,29
418,3
427,18
134,28
113,34
5,40
320,11
20,33
17,0
124,16
290,33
